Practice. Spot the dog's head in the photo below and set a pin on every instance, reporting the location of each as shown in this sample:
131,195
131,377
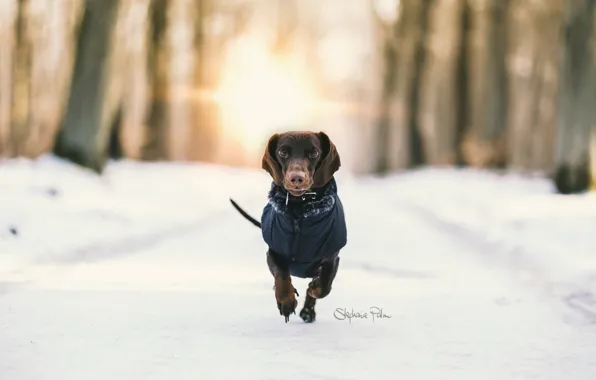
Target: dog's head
300,161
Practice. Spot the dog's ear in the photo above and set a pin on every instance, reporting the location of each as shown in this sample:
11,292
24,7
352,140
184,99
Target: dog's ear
330,161
270,163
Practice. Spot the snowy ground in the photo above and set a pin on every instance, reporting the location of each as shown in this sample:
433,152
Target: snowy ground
148,272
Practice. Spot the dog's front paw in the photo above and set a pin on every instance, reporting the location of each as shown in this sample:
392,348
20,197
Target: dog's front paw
316,290
285,296
308,314
287,308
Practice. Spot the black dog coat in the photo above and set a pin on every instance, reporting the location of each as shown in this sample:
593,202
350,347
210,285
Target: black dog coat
302,233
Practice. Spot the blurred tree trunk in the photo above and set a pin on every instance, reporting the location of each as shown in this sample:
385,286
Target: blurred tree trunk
577,97
157,118
534,32
21,83
209,53
385,120
462,82
182,17
416,18
204,118
593,133
404,129
52,25
593,156
222,25
85,132
484,141
8,12
438,88
116,77
128,79
201,136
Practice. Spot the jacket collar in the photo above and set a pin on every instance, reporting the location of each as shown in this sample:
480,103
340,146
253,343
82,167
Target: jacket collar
309,205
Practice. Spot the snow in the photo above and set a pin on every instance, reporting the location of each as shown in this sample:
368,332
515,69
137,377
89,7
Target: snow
148,272
550,237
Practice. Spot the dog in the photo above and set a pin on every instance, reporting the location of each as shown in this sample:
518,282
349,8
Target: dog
303,222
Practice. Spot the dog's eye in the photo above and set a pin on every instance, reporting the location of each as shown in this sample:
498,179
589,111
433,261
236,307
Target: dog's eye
283,153
313,154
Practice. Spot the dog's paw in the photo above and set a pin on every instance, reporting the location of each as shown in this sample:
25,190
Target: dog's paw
287,308
316,290
308,314
285,296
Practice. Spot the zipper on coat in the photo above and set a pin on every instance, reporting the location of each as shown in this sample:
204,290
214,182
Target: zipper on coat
295,240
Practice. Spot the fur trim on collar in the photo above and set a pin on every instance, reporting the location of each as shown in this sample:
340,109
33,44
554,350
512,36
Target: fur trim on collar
305,209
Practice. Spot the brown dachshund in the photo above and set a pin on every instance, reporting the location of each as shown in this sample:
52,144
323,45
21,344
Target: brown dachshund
303,222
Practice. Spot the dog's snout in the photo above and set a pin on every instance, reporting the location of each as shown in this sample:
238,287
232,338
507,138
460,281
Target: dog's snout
297,178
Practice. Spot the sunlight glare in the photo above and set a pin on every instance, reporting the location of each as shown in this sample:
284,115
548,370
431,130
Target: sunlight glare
261,94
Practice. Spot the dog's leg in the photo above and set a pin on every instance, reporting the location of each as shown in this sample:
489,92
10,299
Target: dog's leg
284,290
321,285
308,313
319,288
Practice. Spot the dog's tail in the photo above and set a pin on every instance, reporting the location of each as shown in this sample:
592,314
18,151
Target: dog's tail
245,214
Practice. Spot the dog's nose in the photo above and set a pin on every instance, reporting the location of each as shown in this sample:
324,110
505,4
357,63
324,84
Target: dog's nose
297,179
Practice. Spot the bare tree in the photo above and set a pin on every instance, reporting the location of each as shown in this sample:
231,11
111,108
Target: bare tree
484,141
438,113
593,157
398,139
462,82
204,116
8,10
157,117
403,51
21,86
576,113
51,26
416,13
85,133
386,120
593,132
534,43
128,85
218,23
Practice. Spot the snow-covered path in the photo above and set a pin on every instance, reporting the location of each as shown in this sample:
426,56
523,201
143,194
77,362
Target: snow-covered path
196,302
